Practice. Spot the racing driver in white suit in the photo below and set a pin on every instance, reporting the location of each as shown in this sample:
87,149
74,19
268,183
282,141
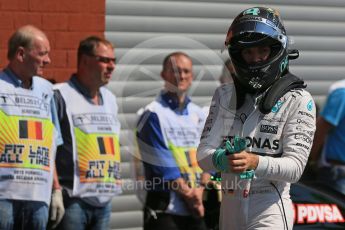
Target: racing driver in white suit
268,109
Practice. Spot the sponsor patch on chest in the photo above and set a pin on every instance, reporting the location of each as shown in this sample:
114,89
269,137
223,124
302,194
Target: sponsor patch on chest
269,129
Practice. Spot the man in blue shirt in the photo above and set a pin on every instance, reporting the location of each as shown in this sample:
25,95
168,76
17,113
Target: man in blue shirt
329,141
29,134
168,132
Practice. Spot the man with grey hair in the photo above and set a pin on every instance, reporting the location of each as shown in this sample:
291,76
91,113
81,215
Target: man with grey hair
27,114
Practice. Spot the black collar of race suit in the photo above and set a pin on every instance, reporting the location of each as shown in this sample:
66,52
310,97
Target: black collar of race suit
279,89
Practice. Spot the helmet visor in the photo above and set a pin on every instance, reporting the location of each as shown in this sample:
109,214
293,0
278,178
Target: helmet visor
244,34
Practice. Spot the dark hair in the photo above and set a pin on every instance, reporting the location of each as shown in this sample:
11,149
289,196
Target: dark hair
178,53
88,45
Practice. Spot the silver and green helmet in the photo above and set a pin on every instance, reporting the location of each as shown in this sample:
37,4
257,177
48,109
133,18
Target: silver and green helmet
258,26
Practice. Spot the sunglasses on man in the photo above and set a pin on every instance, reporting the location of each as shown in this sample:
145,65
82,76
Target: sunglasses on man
103,59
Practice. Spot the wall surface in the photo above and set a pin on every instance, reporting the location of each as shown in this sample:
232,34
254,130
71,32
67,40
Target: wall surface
66,22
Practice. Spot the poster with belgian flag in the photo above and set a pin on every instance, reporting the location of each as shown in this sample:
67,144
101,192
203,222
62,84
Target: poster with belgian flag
22,144
27,146
98,157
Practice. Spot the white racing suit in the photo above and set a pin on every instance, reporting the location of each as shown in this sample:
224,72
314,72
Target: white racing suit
282,139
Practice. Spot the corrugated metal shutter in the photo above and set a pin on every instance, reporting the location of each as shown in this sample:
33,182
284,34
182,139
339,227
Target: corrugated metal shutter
145,31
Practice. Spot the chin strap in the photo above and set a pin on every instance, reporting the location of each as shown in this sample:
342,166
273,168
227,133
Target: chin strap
279,89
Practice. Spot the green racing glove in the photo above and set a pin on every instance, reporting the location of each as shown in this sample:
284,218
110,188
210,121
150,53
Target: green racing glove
220,159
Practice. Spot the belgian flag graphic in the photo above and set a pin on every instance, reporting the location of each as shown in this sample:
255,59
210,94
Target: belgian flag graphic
106,145
30,129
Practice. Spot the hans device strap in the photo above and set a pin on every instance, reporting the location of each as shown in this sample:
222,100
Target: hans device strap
278,89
